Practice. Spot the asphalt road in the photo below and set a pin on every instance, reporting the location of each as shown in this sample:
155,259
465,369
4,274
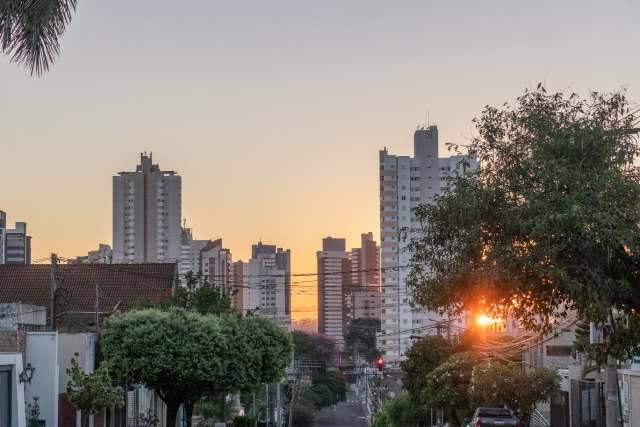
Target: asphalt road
344,414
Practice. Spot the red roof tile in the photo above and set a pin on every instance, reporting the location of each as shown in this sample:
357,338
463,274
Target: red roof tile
126,284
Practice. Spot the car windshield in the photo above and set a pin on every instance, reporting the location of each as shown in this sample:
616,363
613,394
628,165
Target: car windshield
494,413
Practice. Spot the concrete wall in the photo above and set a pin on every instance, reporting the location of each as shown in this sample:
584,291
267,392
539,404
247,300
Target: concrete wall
14,362
42,353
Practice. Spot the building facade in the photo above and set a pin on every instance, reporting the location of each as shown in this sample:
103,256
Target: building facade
364,286
102,255
146,214
405,183
15,244
190,249
263,284
334,277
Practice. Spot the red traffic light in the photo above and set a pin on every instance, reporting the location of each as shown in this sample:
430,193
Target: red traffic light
380,363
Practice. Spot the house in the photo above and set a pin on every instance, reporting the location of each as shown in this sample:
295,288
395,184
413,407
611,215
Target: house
84,294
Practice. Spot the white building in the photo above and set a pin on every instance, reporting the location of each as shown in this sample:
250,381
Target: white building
102,255
405,183
190,249
15,245
263,283
216,265
146,214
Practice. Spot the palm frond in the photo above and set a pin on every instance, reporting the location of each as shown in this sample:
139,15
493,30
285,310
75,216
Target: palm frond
30,30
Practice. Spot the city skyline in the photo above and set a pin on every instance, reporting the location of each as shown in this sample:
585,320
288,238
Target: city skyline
303,103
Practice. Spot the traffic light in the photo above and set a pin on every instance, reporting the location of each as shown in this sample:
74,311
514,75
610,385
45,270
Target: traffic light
380,363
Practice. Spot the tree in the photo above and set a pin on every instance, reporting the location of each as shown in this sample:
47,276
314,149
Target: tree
200,296
547,224
498,384
185,356
94,392
401,411
447,386
314,347
360,338
30,31
423,357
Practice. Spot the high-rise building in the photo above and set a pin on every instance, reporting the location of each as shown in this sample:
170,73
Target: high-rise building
334,277
216,265
15,245
190,249
146,214
364,286
263,283
405,183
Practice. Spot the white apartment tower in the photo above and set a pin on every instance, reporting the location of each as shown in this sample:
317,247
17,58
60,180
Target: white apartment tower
405,183
146,214
15,244
263,284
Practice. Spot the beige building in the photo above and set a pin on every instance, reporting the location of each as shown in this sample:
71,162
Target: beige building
146,214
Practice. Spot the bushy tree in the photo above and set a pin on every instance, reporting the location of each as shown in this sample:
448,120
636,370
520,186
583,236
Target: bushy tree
401,411
547,224
423,357
314,347
93,392
185,356
497,384
360,338
197,294
447,386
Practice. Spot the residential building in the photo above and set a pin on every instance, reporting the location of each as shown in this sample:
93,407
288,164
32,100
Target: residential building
146,214
333,279
216,265
102,255
15,244
263,283
363,296
190,249
405,183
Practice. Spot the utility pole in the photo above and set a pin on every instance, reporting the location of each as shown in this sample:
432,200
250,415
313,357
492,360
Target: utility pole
278,406
52,292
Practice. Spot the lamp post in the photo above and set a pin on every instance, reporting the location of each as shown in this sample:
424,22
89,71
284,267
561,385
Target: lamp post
26,375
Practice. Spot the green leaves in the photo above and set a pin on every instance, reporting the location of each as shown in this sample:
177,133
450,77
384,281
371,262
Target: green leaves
496,384
185,356
360,338
547,224
91,393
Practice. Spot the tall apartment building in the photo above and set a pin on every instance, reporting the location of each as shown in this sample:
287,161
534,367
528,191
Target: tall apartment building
263,283
216,265
364,286
334,277
15,244
405,183
190,249
146,214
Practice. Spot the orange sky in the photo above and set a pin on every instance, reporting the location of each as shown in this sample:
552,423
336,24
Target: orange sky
274,112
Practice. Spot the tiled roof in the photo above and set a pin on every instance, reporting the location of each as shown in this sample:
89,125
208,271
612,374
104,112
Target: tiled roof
124,285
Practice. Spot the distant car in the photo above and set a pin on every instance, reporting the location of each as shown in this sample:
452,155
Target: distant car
494,417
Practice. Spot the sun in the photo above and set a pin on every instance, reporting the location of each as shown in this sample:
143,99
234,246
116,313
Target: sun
484,320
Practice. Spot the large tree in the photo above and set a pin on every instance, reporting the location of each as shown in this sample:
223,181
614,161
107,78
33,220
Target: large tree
360,338
30,30
185,356
423,357
497,384
547,224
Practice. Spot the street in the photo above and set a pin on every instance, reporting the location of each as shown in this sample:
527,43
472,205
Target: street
344,414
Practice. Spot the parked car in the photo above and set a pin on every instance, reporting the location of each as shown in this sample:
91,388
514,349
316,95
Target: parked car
494,417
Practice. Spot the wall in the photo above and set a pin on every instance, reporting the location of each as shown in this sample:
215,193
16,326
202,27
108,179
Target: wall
68,345
14,360
42,353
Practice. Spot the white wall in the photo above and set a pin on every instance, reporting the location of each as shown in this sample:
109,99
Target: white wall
42,353
14,360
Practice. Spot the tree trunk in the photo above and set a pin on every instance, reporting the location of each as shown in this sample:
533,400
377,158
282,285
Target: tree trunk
172,413
223,407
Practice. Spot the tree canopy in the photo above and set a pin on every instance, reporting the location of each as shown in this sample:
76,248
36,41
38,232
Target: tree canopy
30,31
360,338
547,224
185,356
496,384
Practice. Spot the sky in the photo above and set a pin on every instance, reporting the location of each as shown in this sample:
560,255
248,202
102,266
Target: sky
273,112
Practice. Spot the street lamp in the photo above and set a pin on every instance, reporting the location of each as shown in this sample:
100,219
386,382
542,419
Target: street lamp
26,375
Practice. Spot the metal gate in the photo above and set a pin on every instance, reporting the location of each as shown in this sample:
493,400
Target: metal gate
587,404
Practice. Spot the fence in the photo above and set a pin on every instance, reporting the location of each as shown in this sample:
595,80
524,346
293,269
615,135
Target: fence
587,404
